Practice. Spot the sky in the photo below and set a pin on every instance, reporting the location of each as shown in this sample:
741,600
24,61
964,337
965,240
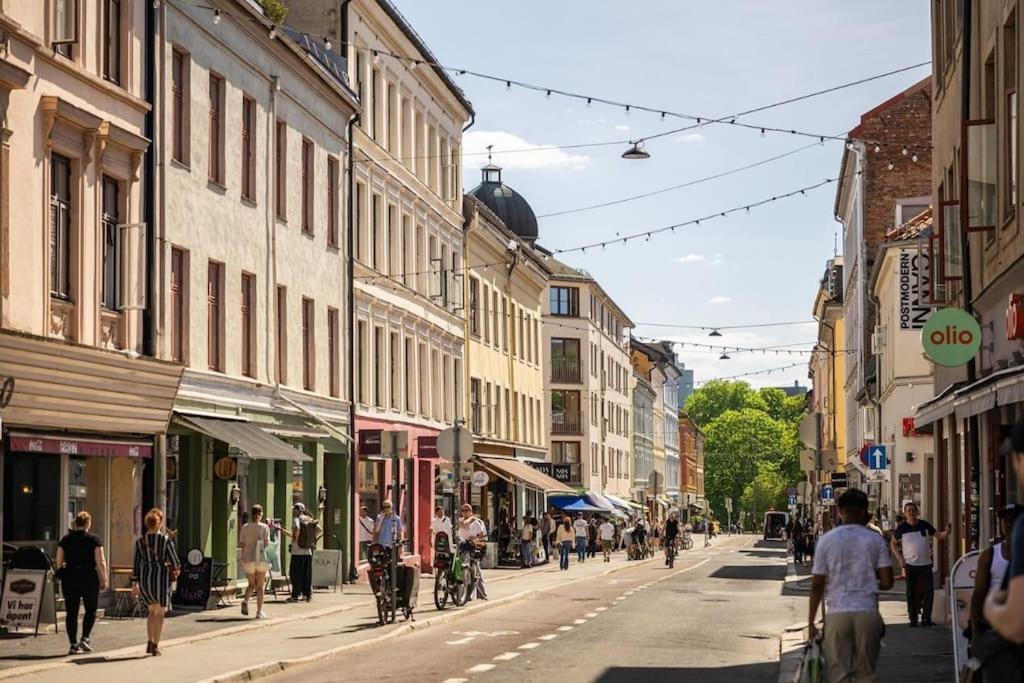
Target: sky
708,58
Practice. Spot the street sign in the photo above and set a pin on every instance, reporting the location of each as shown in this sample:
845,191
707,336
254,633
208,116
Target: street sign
791,491
446,443
480,478
728,504
807,458
466,472
839,480
792,501
951,337
878,457
827,493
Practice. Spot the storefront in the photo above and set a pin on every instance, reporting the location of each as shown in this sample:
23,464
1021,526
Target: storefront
78,435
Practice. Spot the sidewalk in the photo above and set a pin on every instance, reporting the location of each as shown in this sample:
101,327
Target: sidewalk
908,654
224,641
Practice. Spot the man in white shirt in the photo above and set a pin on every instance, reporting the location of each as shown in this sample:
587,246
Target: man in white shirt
526,544
851,566
607,533
366,525
473,531
580,527
440,523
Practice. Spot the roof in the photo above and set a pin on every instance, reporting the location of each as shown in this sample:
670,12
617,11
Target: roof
496,222
510,206
421,45
563,271
918,226
332,62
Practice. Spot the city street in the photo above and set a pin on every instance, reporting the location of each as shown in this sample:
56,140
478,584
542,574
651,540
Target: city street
716,616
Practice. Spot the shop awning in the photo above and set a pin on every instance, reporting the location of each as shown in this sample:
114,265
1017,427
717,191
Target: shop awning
520,472
626,505
663,501
83,445
937,407
985,394
599,501
247,437
1011,389
67,386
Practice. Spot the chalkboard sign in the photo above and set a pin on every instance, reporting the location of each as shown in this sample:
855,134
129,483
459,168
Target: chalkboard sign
194,582
327,568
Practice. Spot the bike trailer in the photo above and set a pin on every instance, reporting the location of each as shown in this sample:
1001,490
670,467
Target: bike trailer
442,551
408,586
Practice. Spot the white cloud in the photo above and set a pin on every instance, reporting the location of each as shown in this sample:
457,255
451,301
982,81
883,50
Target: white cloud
719,300
688,138
690,258
537,156
717,259
622,127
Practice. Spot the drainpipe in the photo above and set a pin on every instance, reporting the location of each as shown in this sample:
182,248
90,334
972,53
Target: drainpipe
350,302
153,17
270,220
514,412
876,401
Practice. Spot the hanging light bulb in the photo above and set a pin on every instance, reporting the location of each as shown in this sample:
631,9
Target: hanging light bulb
890,165
414,65
508,86
273,32
914,158
662,116
376,58
849,145
589,103
216,16
905,151
627,110
878,148
328,44
547,95
762,132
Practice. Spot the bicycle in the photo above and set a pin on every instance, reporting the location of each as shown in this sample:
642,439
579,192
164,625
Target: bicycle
469,557
670,552
379,558
446,583
687,541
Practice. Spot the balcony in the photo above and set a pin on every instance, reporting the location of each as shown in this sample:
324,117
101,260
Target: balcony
566,423
565,370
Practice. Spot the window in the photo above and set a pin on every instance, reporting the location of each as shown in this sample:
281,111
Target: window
248,148
392,104
421,145
282,334
60,226
110,286
474,307
565,301
512,330
494,312
407,252
446,386
65,26
361,361
565,412
375,124
179,106
360,87
487,422
332,202
112,41
375,246
391,246
565,360
332,352
214,316
410,399
523,352
1010,98
179,295
423,372
567,452
280,161
474,405
248,324
486,315
504,323
359,230
497,412
215,163
308,345
307,186
394,394
378,366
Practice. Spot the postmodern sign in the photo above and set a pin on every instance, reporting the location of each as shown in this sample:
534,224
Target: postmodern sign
914,284
951,337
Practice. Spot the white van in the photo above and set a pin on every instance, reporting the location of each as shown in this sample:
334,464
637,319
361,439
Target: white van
775,525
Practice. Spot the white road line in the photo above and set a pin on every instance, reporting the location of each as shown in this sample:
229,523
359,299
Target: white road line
460,641
590,615
508,656
480,668
565,628
630,592
601,609
528,646
548,636
455,680
579,621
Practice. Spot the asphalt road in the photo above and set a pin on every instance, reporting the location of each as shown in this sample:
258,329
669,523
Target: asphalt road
715,617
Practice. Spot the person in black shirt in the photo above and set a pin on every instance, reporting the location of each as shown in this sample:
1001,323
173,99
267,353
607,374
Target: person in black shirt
1004,609
83,574
671,532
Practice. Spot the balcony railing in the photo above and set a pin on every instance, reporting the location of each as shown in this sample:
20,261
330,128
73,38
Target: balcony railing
566,423
565,370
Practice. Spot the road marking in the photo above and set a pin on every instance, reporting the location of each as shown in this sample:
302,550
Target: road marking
601,609
461,641
528,646
630,592
590,615
480,668
508,656
565,628
579,621
549,636
455,680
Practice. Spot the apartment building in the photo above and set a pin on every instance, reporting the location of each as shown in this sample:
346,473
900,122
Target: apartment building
90,404
644,398
691,460
588,417
656,363
407,236
251,264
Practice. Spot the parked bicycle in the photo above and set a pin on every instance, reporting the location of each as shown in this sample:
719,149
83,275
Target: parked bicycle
447,574
687,540
379,558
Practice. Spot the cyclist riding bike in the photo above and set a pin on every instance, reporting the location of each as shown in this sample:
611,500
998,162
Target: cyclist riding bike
472,535
640,539
671,534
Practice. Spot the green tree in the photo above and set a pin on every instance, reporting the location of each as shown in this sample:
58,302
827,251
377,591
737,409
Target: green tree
780,406
736,441
717,396
275,10
766,490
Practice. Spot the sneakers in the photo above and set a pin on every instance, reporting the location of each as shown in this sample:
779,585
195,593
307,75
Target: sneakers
245,608
309,598
73,650
85,645
261,615
292,599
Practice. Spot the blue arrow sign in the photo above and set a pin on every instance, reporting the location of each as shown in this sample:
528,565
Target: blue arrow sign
827,493
878,457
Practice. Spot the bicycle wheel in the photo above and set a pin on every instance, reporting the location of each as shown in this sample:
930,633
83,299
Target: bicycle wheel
380,608
671,557
441,589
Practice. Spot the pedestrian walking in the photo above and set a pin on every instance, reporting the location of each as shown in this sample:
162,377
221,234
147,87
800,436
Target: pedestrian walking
592,535
300,570
1004,609
547,529
473,535
798,542
565,534
993,563
580,527
82,570
154,567
254,537
607,531
850,568
526,544
915,557
365,531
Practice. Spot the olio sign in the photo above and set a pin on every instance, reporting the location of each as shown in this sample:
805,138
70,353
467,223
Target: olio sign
951,337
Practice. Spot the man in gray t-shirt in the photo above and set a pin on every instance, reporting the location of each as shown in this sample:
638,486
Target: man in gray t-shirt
851,566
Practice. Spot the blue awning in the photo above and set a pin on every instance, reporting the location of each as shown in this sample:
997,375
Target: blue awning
572,504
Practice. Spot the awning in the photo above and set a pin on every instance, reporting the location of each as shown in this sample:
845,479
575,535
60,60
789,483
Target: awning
248,438
520,472
72,444
622,504
1011,389
599,501
983,395
580,506
663,502
937,407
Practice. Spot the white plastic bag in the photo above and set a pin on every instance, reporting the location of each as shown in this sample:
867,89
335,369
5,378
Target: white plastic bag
813,668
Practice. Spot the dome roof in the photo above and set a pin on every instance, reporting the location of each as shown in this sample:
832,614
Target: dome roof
506,203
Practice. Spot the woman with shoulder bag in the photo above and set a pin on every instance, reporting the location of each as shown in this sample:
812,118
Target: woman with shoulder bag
82,570
156,566
254,537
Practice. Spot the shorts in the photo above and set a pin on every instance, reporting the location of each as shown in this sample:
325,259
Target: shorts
606,545
255,567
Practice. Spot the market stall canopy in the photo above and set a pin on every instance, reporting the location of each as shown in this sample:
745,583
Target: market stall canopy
622,504
518,471
599,501
247,437
580,506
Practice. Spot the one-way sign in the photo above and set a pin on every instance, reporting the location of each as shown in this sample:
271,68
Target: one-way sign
878,457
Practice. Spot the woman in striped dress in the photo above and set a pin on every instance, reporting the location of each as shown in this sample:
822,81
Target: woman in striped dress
156,565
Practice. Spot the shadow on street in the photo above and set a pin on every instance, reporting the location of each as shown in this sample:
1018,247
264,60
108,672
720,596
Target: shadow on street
767,671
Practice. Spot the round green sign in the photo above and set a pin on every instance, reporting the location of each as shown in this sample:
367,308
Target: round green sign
951,337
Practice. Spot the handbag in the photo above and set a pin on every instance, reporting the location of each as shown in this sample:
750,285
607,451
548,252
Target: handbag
812,669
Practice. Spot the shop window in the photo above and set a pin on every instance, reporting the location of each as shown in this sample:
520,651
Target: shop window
32,500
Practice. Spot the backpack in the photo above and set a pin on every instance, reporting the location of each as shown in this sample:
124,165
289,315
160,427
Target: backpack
307,533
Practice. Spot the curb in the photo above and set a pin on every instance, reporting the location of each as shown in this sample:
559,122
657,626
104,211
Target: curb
791,653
